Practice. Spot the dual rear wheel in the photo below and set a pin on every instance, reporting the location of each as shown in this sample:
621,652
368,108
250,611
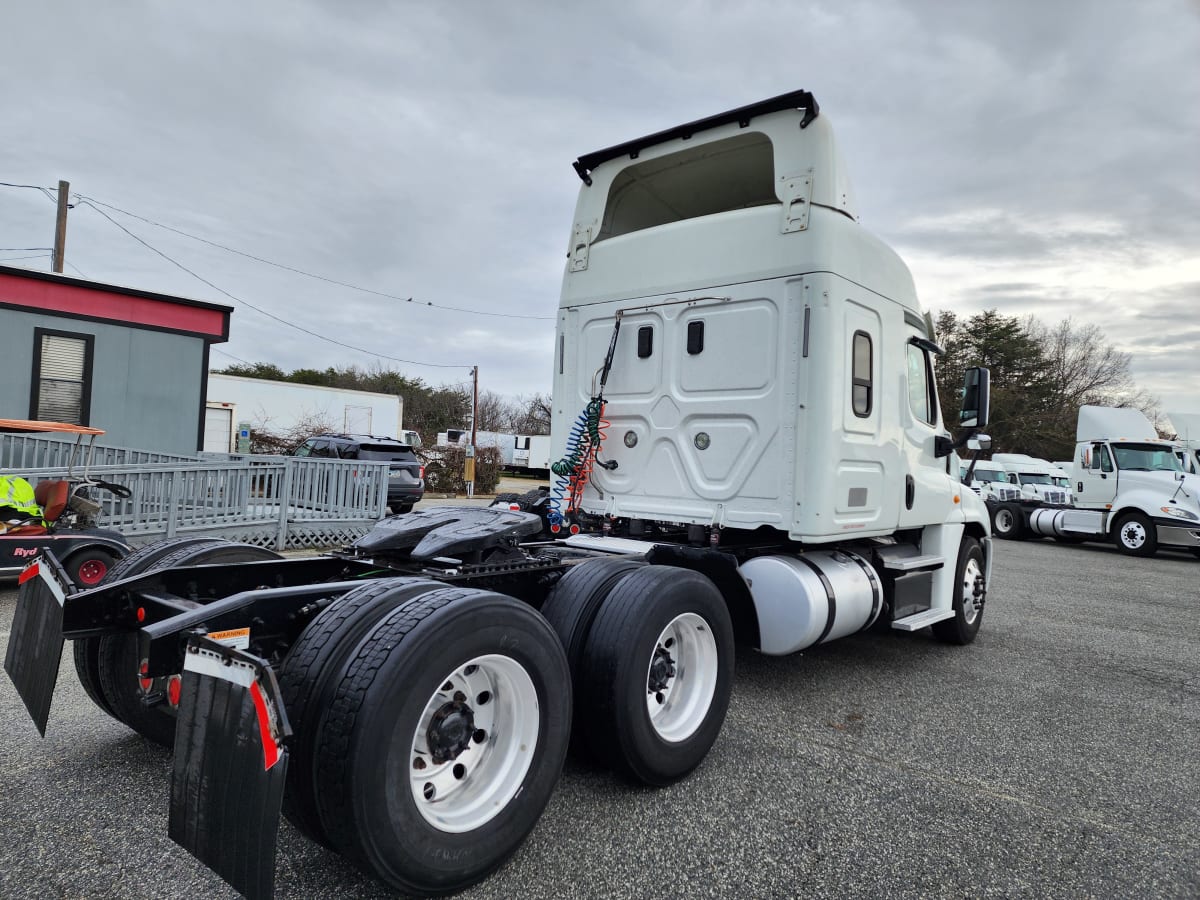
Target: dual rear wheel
431,725
651,651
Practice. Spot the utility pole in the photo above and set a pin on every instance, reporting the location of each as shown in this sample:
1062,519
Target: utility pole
474,403
60,226
469,465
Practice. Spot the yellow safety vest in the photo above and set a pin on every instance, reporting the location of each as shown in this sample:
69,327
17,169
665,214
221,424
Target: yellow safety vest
17,494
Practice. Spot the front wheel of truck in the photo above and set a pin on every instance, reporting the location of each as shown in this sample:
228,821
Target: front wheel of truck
970,591
1135,535
444,739
1007,523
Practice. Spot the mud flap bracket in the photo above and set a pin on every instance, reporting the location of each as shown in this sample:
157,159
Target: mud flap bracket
230,765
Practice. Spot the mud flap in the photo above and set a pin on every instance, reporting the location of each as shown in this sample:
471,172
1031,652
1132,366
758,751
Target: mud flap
35,644
230,765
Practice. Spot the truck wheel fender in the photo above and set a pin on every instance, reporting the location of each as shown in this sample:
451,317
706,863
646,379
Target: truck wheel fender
722,570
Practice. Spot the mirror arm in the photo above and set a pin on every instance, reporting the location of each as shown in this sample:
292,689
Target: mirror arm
944,446
975,455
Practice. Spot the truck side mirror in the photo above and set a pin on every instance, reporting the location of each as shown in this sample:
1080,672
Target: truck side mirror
980,442
976,402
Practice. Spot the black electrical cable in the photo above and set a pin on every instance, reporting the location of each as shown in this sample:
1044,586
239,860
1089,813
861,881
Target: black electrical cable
276,318
334,281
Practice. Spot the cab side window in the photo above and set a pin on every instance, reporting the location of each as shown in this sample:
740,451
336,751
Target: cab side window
1101,460
861,387
920,386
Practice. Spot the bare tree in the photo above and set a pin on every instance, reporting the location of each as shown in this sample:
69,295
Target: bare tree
531,415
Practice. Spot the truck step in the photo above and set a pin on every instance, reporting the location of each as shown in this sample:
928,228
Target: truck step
926,563
919,620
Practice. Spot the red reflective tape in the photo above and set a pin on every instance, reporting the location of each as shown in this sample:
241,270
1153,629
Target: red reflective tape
270,748
30,571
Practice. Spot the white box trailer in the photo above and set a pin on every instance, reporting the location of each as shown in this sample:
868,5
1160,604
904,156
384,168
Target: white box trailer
280,406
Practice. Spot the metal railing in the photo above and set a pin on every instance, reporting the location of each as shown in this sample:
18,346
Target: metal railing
286,502
42,451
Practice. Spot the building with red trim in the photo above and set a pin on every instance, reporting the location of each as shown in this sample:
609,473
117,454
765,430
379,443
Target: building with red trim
132,362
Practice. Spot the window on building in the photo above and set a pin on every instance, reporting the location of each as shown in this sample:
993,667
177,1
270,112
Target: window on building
861,384
62,376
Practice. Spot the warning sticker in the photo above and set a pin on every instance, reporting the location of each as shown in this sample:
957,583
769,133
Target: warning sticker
237,638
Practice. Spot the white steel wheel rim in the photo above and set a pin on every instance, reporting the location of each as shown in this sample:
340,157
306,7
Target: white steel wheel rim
972,585
468,790
1004,520
1133,534
681,678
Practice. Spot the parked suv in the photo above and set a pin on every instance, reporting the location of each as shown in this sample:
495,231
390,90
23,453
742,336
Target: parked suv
406,478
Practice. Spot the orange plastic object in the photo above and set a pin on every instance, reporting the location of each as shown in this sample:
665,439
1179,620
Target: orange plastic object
35,425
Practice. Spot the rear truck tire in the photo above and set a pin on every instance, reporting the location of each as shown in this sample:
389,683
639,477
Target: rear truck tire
118,661
89,566
444,740
571,609
1007,522
86,651
312,669
405,508
970,592
657,674
1135,535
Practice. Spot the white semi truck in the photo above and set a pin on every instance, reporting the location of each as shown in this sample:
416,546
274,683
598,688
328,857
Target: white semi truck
990,482
749,446
1129,488
1033,477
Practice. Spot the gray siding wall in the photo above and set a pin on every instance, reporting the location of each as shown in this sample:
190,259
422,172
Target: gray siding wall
146,385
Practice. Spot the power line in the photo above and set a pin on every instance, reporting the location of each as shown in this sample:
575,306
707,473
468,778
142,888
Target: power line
327,280
276,318
15,258
51,195
231,356
18,249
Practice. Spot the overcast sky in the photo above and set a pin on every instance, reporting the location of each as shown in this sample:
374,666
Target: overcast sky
1033,157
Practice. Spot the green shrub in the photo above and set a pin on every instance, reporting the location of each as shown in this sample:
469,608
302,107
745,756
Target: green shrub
444,470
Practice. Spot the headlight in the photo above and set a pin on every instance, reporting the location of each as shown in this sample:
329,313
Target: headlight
1180,513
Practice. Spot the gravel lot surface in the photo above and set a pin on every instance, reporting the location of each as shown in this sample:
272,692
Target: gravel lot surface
1055,757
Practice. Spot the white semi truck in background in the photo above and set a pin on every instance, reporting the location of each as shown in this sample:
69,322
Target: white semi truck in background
990,482
1129,488
1033,477
748,445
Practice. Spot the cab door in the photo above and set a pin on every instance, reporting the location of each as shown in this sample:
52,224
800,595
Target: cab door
927,487
1097,478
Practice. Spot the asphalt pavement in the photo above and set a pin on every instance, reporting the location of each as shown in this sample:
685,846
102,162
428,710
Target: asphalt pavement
1055,757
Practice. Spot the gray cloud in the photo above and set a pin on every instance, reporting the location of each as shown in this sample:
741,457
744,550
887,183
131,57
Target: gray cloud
425,150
